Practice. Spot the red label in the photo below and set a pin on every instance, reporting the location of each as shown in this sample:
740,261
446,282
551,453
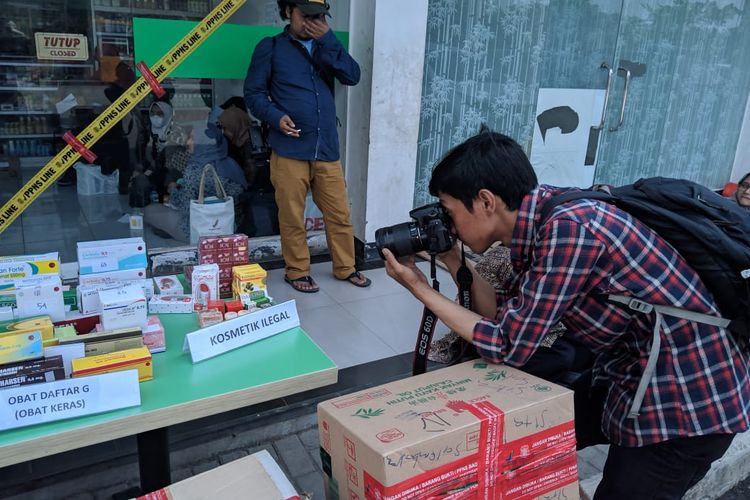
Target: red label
78,147
351,450
149,77
389,435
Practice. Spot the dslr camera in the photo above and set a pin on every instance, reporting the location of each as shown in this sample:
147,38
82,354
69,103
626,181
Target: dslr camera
429,231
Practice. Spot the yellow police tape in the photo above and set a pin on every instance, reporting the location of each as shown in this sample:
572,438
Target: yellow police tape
116,112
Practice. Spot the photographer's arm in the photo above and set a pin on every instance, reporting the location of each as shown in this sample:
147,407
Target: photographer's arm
455,317
483,295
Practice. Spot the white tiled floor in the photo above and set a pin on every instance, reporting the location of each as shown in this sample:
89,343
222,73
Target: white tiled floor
357,325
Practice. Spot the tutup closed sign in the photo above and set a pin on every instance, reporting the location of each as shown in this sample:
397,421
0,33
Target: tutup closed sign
61,46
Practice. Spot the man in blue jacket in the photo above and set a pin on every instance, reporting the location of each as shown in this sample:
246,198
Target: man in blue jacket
289,85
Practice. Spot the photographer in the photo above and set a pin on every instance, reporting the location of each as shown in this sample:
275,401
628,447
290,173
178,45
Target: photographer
699,394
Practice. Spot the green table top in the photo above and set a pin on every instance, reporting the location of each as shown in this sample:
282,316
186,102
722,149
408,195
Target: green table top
283,364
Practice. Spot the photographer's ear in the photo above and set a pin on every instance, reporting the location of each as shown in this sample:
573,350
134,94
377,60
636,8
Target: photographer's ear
488,201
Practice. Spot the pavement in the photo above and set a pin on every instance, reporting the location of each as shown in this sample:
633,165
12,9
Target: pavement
289,432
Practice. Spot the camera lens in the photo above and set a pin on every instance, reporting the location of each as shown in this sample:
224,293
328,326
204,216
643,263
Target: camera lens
401,239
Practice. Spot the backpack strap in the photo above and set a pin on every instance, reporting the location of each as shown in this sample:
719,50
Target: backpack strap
660,311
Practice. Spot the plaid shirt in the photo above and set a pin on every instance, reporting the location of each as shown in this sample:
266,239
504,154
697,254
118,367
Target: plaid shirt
587,248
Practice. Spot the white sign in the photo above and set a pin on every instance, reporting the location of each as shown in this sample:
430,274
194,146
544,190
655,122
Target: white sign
563,137
61,46
228,335
39,403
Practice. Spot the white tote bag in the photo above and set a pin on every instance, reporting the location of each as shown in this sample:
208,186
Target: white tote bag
212,216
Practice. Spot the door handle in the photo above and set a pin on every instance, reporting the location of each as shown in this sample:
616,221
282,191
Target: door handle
610,72
624,99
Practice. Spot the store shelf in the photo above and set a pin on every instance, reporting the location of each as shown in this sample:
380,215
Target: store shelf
28,89
114,34
21,112
48,135
157,12
45,65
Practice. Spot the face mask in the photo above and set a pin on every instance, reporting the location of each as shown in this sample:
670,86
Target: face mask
157,121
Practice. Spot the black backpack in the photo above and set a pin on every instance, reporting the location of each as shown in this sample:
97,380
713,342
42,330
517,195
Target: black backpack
710,232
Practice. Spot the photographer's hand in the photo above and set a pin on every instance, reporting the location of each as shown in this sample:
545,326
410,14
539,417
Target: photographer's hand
406,273
457,318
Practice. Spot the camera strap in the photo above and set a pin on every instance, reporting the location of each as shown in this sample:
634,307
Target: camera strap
427,327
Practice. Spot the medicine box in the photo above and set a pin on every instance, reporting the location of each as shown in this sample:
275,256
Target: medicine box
40,295
20,346
111,255
170,304
168,285
41,324
88,295
139,358
123,307
26,266
110,277
205,285
248,278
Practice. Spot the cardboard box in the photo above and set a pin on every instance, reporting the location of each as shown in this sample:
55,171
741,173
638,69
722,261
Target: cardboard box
205,285
41,324
111,255
255,476
139,359
170,304
168,285
32,378
123,307
484,430
20,346
111,277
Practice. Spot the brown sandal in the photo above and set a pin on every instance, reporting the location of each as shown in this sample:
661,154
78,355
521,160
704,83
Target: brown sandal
355,279
299,284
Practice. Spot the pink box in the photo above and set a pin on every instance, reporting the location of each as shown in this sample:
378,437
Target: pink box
153,335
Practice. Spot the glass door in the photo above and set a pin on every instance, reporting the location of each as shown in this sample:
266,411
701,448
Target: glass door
677,103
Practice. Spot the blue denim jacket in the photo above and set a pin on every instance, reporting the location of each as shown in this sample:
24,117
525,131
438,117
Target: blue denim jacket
281,80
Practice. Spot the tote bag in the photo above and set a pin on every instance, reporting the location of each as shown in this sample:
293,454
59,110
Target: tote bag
214,215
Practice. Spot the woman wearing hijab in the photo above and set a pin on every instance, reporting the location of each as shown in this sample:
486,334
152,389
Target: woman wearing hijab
168,149
207,145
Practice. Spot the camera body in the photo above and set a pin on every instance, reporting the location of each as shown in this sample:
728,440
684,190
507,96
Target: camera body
430,231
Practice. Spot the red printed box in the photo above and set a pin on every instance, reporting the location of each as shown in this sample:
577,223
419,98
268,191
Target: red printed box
474,430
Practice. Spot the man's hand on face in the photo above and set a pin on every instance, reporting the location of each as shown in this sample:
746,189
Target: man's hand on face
286,125
407,273
316,27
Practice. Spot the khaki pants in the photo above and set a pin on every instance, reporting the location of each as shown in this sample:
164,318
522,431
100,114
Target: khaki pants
292,179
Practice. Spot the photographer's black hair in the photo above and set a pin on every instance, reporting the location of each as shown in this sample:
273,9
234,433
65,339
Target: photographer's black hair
488,160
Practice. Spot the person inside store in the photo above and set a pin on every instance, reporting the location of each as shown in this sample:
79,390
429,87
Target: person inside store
742,194
114,148
290,86
206,145
699,395
13,42
167,154
235,123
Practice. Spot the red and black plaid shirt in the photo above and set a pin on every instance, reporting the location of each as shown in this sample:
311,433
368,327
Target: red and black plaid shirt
588,248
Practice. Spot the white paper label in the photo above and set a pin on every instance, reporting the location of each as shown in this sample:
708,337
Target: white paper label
228,335
63,399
